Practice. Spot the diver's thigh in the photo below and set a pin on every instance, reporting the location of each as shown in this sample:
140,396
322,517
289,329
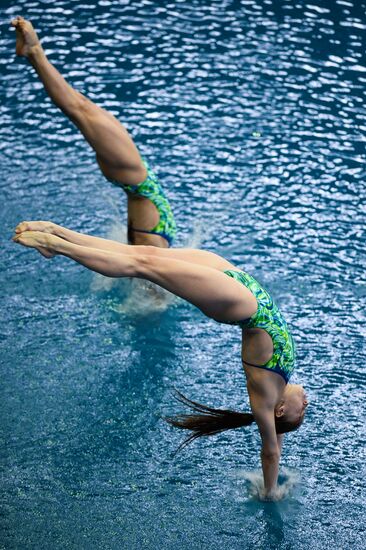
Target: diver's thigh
195,256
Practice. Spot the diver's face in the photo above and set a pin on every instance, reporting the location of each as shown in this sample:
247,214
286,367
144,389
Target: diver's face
294,402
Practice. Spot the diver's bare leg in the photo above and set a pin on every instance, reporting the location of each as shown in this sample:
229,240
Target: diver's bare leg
216,294
198,257
116,152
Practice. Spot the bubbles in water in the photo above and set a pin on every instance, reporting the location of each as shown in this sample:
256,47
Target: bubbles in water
100,283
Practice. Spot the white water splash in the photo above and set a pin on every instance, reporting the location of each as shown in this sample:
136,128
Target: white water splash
288,479
138,297
118,232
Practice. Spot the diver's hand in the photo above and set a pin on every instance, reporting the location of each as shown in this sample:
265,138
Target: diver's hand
273,495
269,495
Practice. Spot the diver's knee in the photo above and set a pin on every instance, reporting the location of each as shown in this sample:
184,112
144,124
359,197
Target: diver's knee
147,250
144,264
79,107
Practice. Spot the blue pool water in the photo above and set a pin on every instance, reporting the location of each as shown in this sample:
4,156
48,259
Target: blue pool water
253,114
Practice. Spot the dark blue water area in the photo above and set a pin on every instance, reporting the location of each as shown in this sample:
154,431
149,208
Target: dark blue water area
253,114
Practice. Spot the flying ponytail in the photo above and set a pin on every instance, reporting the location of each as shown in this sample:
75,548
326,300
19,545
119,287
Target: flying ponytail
212,421
209,421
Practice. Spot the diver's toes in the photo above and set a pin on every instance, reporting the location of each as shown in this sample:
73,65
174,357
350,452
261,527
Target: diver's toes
16,21
23,226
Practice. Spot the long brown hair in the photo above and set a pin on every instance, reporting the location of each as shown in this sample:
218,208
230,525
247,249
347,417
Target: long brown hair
212,421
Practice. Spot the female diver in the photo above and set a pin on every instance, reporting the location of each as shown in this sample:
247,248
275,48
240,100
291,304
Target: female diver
150,219
211,283
221,291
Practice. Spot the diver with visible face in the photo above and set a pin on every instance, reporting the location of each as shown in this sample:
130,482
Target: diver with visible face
218,288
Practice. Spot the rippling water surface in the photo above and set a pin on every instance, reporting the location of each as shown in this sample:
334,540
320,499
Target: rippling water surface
253,114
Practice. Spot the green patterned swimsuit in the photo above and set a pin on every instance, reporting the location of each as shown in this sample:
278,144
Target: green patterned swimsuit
151,189
269,318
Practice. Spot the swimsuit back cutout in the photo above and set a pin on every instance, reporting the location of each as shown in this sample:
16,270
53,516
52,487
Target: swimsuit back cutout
269,318
151,189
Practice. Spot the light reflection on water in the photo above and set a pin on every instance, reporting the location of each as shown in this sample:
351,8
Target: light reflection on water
253,114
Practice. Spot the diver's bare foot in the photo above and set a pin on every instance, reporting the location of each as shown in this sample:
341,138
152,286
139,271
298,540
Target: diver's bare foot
38,240
44,227
46,253
27,42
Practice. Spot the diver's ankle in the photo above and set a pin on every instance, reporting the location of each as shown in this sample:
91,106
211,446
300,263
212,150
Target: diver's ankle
36,54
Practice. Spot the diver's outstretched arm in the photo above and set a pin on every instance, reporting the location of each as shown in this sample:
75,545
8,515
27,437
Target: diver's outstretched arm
217,295
263,399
